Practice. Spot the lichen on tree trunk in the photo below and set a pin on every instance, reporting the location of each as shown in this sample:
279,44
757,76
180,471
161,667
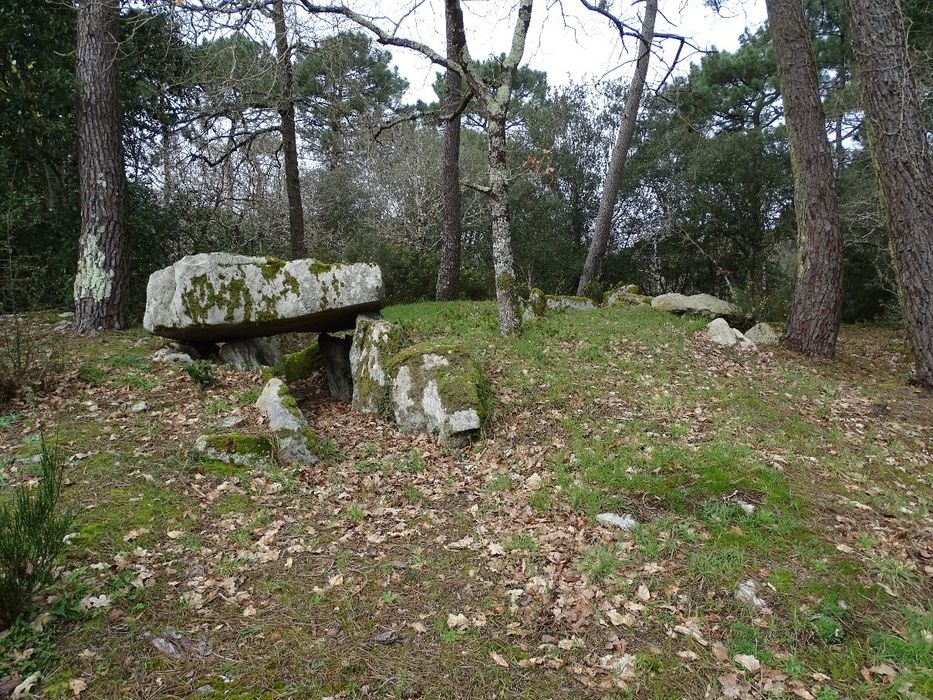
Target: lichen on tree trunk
100,288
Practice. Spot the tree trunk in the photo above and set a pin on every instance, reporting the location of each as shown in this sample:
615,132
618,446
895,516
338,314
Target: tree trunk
448,274
895,125
296,217
503,262
813,323
100,288
607,201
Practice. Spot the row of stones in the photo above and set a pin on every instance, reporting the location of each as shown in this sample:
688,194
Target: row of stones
425,387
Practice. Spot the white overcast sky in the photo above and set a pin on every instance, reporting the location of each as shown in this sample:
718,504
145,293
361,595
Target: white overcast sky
567,41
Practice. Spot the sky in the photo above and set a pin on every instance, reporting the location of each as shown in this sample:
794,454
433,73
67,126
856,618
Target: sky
567,41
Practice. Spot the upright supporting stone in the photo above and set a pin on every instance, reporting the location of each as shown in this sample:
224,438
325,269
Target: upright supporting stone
375,341
252,353
335,352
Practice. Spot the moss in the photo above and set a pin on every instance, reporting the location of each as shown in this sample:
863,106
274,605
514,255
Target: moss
317,267
461,384
300,365
537,302
306,435
288,401
240,444
271,267
232,296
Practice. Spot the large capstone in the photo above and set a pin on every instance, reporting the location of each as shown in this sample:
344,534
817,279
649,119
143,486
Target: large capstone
374,343
295,442
219,296
699,304
437,389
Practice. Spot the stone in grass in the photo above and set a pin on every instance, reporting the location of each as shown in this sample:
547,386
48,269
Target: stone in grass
236,448
438,389
223,297
302,364
626,295
295,442
720,332
252,353
623,522
762,334
747,592
539,303
335,352
375,341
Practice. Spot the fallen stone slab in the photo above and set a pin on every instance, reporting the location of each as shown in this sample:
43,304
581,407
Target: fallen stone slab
626,295
438,389
295,441
236,448
223,297
375,341
539,303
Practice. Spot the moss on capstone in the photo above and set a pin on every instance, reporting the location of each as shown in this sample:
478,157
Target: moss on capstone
317,267
271,267
301,364
231,296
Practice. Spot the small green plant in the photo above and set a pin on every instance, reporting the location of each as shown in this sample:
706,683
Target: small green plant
8,421
32,533
599,562
355,512
202,372
25,360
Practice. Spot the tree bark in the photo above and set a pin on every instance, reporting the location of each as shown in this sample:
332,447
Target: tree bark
610,194
503,261
296,217
448,274
101,281
895,123
813,323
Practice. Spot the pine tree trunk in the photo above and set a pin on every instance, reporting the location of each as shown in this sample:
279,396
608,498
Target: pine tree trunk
296,217
503,261
813,323
448,274
100,288
895,123
610,194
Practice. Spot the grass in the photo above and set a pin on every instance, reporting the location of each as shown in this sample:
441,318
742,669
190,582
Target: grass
616,410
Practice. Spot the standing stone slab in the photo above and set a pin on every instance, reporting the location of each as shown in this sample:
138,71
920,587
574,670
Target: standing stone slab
295,441
374,343
219,296
335,353
438,389
539,303
626,295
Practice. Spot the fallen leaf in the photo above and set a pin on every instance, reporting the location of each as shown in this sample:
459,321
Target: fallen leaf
457,622
77,686
719,651
499,659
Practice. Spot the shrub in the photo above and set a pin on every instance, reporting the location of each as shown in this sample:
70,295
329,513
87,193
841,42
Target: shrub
24,359
32,534
202,372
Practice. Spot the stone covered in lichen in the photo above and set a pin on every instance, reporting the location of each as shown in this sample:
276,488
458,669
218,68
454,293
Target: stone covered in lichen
539,303
219,296
302,364
236,448
375,341
437,389
295,441
626,295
